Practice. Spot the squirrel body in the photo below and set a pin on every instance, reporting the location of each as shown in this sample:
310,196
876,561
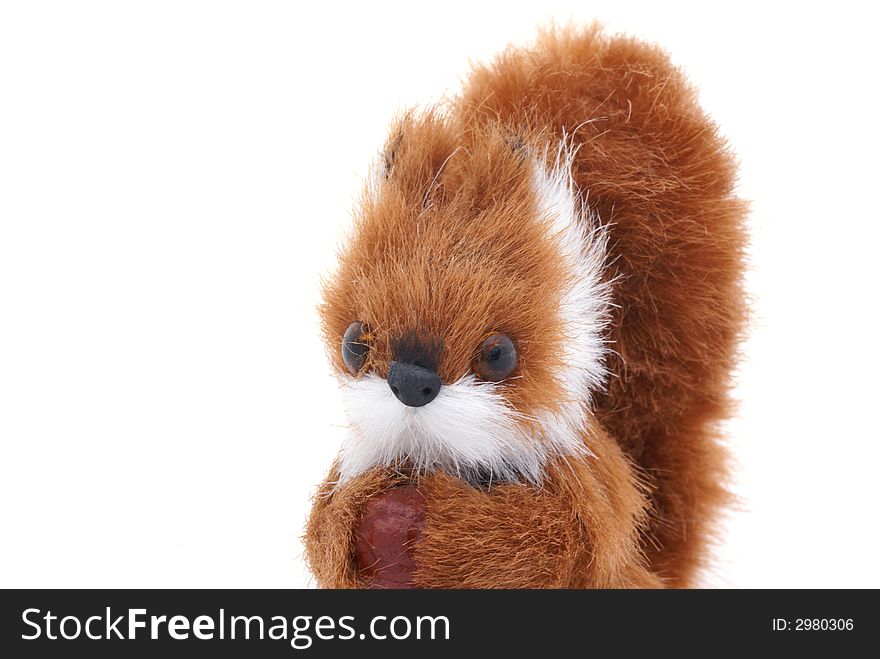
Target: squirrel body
539,311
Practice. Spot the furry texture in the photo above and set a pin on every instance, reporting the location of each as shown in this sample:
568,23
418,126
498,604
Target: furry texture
579,529
477,221
471,430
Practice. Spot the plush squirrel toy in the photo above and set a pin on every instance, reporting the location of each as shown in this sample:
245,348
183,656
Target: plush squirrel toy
534,324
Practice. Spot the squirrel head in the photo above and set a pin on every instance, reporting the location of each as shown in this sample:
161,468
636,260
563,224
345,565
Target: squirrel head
466,317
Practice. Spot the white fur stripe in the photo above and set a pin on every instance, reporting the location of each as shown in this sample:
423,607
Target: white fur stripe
584,305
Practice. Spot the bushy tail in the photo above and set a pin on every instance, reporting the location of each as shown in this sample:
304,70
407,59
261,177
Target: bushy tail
654,168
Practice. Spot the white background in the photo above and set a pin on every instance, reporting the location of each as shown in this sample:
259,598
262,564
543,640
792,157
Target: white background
175,176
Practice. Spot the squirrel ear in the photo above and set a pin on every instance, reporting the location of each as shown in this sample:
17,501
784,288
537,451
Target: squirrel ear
522,145
389,154
517,142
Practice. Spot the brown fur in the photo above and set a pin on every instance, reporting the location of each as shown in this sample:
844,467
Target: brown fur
449,248
579,529
408,265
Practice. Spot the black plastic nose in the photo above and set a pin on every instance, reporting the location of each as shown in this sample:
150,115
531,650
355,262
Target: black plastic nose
413,385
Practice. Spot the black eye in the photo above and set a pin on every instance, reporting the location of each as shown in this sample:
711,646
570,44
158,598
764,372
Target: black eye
355,346
496,358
